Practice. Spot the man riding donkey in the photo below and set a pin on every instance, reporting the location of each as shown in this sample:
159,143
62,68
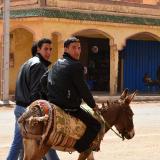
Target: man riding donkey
66,87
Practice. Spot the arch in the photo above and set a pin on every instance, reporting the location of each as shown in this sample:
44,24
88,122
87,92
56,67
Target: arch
92,33
95,57
139,56
140,36
25,28
144,36
20,50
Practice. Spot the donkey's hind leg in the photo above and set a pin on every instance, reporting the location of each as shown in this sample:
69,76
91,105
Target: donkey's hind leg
32,151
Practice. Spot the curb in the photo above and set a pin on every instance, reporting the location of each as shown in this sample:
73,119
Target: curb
101,99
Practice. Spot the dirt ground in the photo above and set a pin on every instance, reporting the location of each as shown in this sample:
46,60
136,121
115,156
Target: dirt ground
144,146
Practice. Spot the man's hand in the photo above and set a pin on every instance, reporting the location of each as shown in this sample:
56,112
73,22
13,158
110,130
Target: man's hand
96,108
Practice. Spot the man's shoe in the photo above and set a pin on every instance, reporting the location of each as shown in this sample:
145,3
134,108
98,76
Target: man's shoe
95,146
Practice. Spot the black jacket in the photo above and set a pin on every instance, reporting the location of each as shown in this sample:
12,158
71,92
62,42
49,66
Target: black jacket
66,84
28,87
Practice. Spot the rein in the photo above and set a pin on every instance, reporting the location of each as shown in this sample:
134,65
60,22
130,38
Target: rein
108,126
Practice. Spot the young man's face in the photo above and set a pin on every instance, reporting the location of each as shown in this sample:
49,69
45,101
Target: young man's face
45,51
74,50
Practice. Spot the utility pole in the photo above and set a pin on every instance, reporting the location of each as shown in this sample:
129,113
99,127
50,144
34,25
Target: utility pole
5,50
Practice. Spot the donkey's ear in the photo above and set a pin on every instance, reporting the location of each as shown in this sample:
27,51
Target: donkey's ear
124,94
129,98
108,104
103,106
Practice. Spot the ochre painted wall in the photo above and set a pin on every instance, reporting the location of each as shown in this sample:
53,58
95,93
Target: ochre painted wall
58,30
153,2
20,46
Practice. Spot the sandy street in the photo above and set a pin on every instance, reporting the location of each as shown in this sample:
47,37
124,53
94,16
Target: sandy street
144,146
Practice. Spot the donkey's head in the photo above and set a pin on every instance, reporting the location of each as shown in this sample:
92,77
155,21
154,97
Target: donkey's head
121,114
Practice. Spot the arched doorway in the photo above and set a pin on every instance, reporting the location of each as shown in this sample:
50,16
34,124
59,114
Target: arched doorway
140,56
20,50
95,57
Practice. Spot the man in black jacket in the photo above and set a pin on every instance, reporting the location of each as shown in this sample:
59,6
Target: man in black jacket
67,87
28,89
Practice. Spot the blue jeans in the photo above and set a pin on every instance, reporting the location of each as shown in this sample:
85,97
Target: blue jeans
17,144
51,155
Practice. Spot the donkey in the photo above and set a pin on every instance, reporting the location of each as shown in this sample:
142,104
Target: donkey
115,113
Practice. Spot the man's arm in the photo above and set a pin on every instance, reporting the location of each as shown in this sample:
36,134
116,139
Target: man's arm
36,72
43,82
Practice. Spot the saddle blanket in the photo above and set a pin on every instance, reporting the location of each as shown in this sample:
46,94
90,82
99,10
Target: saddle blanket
62,130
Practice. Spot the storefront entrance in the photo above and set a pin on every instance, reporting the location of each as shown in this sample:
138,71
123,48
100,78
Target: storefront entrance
95,57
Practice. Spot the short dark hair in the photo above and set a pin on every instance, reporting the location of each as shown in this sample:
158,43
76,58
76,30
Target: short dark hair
42,41
34,49
70,40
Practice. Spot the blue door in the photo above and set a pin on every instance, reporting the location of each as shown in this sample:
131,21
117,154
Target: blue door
140,57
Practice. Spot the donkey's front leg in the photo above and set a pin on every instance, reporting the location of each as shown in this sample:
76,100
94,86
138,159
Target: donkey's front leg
91,157
32,151
84,155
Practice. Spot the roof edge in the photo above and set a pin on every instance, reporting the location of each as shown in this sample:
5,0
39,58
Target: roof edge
80,15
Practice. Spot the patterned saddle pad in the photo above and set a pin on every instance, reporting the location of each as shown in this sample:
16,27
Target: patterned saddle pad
63,130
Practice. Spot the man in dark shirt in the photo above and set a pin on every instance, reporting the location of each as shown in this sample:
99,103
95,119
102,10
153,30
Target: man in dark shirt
67,87
28,89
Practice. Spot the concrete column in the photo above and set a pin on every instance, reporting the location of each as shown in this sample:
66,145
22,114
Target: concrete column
5,52
58,41
60,47
57,46
1,71
113,68
120,45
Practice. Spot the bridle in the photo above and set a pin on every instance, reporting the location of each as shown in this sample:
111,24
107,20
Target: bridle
107,125
119,135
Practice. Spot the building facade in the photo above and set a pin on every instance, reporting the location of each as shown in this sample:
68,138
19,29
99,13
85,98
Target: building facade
120,38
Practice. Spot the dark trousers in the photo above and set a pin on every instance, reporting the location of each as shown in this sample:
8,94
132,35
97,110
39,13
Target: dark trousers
93,127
